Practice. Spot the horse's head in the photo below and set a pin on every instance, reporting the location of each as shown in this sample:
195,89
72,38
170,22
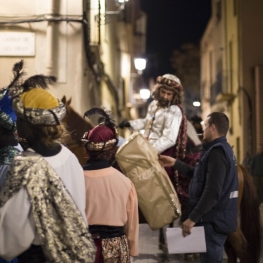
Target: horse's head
75,123
68,108
65,101
76,126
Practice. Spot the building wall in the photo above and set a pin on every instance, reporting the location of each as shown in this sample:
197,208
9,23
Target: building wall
235,136
250,55
238,39
93,70
59,47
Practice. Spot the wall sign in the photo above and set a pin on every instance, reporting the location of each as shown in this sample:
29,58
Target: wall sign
17,44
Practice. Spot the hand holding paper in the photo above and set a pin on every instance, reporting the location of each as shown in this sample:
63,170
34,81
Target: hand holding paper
187,226
194,243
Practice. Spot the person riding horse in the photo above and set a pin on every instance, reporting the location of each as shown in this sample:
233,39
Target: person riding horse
165,123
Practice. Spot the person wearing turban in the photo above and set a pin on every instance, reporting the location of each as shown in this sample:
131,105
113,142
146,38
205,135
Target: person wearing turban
8,141
9,146
42,200
165,123
111,199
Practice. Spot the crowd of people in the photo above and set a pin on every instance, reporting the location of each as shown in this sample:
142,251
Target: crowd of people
54,210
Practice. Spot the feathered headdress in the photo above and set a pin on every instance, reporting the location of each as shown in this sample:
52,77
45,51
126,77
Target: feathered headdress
32,102
104,136
7,114
14,86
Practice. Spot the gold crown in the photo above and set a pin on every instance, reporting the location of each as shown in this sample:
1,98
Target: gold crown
39,98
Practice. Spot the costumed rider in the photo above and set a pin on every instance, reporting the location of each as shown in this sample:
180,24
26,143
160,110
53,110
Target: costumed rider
42,201
111,199
9,146
8,141
165,123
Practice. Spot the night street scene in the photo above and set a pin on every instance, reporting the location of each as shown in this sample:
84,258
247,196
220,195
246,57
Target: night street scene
131,131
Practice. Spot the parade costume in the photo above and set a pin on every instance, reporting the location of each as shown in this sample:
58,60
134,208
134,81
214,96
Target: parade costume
192,155
7,153
111,199
164,126
8,142
44,189
161,125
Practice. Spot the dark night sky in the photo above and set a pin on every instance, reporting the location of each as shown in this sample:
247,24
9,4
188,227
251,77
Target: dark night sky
170,23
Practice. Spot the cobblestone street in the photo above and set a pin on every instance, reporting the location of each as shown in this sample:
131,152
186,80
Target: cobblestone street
150,252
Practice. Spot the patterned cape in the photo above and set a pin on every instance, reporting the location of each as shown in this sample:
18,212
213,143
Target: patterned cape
7,154
62,231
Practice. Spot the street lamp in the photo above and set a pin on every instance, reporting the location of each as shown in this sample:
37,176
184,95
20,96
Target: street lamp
140,64
197,103
145,94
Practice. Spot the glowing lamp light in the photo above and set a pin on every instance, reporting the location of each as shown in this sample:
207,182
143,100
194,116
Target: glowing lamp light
197,103
123,1
145,94
140,64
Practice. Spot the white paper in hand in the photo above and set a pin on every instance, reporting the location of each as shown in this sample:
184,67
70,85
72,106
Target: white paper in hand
193,243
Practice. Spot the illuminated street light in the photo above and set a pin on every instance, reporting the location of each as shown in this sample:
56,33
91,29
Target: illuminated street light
197,103
140,64
145,94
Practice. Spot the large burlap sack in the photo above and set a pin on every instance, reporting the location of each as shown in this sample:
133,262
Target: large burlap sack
157,198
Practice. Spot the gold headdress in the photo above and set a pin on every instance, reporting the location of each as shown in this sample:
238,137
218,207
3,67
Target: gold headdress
33,103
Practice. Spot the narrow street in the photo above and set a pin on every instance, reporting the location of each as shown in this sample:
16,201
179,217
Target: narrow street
150,252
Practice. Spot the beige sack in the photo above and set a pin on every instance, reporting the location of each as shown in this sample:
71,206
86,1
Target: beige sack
157,198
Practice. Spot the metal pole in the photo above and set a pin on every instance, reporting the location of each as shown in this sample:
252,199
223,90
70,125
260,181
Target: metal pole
51,37
99,22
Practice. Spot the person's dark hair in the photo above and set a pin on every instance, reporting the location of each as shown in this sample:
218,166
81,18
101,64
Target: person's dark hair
102,155
220,120
7,137
4,131
47,134
177,97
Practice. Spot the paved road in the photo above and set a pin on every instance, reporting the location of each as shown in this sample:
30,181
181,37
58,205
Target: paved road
150,253
149,249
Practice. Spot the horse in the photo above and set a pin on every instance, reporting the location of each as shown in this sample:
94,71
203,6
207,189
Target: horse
76,125
245,243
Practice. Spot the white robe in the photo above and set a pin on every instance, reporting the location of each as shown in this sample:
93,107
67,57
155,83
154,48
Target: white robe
17,227
165,127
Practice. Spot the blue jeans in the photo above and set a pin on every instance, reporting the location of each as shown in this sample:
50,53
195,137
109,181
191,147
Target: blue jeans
214,244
